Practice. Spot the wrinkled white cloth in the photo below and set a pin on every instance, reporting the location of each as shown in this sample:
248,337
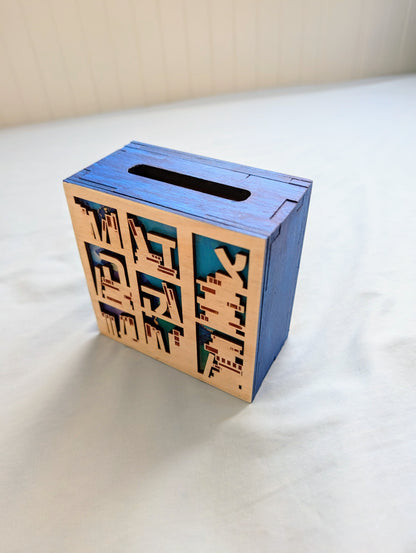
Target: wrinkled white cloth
106,450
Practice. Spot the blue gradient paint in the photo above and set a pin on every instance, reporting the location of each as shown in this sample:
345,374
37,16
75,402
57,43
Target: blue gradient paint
96,261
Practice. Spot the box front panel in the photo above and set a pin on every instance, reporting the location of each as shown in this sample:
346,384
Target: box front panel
180,290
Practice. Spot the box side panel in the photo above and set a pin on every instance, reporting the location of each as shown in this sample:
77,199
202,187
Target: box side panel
184,292
282,266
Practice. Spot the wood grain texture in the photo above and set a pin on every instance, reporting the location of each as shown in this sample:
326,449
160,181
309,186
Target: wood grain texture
268,190
281,271
185,276
133,299
71,57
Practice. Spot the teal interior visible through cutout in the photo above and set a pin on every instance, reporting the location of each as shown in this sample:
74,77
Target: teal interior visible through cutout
160,228
157,283
206,260
203,336
164,326
167,327
95,261
96,207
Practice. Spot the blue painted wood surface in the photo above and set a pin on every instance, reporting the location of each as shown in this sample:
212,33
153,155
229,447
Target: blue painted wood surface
255,216
281,272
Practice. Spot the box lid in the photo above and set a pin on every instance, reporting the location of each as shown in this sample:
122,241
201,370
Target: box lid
237,197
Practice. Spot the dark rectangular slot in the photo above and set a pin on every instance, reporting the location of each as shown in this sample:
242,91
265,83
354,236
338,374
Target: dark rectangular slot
193,183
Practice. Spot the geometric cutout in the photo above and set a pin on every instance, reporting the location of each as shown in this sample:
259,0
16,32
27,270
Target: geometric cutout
110,276
102,222
159,298
119,324
154,247
219,355
162,335
221,288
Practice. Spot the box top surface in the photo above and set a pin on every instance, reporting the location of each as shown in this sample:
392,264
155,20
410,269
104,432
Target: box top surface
236,197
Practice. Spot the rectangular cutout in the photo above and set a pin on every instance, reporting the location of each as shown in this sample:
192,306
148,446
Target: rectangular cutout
192,183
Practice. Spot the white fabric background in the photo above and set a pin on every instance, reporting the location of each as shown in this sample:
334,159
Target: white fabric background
106,450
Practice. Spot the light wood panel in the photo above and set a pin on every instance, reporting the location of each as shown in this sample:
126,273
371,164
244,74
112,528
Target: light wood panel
126,295
66,57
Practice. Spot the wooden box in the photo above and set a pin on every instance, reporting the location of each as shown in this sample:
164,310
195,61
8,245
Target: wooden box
191,260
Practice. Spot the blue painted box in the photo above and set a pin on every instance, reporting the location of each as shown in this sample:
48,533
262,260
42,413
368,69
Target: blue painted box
191,260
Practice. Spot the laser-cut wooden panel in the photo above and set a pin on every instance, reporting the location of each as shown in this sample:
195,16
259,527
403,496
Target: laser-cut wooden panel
179,288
